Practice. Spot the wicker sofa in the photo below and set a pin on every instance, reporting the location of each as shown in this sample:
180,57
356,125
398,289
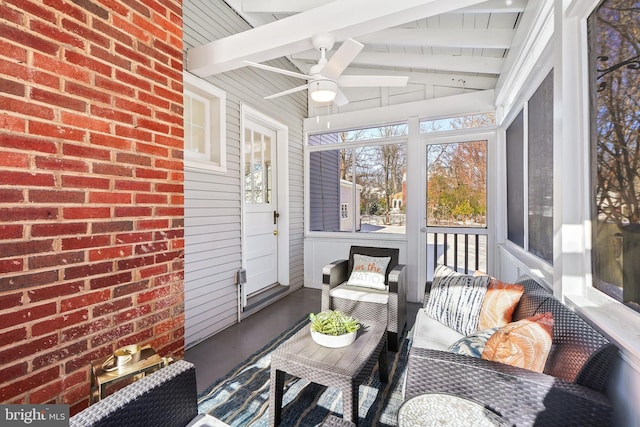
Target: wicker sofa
568,393
166,398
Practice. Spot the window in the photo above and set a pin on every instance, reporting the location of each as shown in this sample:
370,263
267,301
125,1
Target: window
357,180
614,74
455,123
530,155
204,125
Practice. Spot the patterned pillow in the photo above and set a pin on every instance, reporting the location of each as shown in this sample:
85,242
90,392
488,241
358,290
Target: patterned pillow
472,345
455,299
369,272
499,303
525,343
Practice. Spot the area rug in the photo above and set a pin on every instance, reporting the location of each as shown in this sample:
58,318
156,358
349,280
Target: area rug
241,398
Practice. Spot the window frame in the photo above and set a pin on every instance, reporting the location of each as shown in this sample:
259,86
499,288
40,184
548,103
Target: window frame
215,126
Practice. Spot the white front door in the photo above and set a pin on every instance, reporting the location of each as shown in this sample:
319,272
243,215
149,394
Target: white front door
260,207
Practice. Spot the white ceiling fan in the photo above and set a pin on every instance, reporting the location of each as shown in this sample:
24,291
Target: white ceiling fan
325,78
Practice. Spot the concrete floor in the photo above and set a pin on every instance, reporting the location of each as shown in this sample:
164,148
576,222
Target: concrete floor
216,356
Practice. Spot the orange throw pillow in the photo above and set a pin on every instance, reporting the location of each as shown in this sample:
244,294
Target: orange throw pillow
499,303
525,343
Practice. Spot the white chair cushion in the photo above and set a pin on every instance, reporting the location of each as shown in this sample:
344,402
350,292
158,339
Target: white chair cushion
431,334
354,293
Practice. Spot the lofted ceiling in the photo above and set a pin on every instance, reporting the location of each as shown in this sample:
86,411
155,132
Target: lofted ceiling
445,47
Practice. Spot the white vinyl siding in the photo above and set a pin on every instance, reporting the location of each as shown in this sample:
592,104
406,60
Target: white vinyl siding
213,244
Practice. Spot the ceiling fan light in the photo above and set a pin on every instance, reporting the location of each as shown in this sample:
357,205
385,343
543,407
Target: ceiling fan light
323,90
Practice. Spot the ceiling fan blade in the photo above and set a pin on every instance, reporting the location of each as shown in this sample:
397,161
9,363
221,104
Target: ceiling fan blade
287,92
342,58
277,70
340,99
372,81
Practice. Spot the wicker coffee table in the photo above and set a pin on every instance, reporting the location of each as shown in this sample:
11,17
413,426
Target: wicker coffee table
345,368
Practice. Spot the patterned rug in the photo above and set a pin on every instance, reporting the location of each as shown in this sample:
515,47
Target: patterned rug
241,398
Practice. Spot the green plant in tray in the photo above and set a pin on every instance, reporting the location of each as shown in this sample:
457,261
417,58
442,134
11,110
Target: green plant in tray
333,322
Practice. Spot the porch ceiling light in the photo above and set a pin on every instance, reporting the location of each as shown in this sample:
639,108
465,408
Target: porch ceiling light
323,90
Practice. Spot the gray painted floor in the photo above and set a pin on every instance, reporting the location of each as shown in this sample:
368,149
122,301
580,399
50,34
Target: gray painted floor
216,356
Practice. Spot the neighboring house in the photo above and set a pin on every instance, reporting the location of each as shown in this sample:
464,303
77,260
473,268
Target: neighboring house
349,206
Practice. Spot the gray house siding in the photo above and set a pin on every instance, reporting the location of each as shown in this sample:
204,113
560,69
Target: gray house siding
213,204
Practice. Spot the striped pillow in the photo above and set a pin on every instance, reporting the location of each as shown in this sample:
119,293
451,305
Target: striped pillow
455,299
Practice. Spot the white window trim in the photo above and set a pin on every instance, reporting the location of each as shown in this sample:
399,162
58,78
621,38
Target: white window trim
205,91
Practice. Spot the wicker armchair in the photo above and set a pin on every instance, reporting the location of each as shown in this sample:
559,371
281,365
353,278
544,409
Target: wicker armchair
568,393
359,303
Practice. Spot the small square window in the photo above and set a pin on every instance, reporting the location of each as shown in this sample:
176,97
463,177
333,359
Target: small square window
204,125
344,210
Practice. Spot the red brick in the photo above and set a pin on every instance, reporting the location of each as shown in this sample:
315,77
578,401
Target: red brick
123,52
84,151
55,131
149,173
13,372
11,15
88,123
75,379
168,164
27,178
24,38
10,231
109,198
111,335
12,124
61,68
71,273
61,258
172,211
11,265
85,62
152,271
111,226
112,252
46,394
113,280
85,300
12,87
86,92
86,213
171,118
26,108
11,195
134,159
154,294
155,319
133,107
112,85
111,307
110,141
25,247
27,315
59,322
133,29
83,360
33,346
54,33
132,211
134,237
111,114
133,313
154,150
55,196
58,229
113,32
153,125
80,331
58,100
14,389
134,263
140,337
153,224
130,288
12,336
132,185
71,181
15,160
10,301
55,291
75,394
87,34
157,199
24,142
164,187
85,242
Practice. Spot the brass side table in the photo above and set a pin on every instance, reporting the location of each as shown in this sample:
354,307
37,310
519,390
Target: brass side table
101,378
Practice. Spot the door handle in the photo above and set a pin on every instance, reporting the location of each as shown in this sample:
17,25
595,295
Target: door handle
275,232
276,215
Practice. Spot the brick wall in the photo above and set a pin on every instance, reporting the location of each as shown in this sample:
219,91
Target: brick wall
91,189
